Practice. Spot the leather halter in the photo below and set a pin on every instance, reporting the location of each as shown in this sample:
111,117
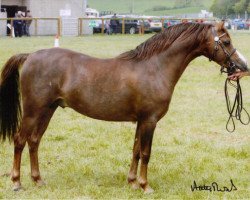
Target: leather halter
231,65
236,108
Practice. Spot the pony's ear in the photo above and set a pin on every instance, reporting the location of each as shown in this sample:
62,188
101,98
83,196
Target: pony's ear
220,25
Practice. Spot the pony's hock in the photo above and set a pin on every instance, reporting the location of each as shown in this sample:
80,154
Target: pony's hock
135,86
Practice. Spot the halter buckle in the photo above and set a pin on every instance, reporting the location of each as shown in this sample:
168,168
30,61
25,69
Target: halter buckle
216,39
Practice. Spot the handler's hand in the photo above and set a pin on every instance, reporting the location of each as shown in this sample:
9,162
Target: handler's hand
238,75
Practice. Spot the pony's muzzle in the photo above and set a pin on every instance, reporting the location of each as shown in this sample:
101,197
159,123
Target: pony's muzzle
241,62
242,66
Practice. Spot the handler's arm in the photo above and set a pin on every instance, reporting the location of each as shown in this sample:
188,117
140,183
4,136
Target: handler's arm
239,75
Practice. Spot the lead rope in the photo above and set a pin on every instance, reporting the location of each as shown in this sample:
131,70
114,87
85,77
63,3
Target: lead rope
235,111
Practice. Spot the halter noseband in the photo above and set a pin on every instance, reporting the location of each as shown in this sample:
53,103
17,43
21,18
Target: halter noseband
231,65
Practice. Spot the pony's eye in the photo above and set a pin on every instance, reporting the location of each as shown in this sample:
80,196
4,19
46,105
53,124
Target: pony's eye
227,42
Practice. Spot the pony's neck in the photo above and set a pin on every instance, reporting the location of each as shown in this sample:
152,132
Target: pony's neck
176,58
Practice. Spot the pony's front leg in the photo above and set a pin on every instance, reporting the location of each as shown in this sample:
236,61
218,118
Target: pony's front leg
132,176
146,137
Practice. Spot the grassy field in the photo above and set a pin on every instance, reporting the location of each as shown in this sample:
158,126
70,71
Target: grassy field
85,158
145,6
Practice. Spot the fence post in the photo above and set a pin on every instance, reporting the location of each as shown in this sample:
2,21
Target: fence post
12,28
81,26
102,26
162,26
59,27
78,26
123,26
35,26
142,31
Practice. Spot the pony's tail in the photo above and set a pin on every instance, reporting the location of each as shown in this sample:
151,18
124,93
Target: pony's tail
10,107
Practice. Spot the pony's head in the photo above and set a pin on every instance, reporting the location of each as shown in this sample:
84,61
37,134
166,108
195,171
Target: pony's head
221,50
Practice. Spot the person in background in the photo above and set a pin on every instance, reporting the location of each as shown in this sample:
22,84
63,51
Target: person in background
107,27
18,24
114,23
28,22
24,23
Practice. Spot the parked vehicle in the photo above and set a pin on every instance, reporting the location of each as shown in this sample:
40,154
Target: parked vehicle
96,25
155,25
239,24
90,12
146,26
132,26
168,23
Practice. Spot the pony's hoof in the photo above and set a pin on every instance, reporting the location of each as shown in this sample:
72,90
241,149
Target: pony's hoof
6,175
40,183
134,185
148,190
17,187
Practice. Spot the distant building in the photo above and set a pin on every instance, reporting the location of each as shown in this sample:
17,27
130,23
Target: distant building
68,10
203,14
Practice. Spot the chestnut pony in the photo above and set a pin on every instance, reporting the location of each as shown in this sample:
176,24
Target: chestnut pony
134,86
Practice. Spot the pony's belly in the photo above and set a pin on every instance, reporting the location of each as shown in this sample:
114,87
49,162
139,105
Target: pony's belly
109,116
106,112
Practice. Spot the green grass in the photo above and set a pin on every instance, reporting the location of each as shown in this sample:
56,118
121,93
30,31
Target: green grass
145,6
85,158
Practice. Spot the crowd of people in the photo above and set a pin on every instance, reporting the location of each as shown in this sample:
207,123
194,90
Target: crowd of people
22,25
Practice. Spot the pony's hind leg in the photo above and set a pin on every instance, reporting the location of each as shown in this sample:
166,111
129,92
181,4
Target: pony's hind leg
19,143
33,126
41,124
20,139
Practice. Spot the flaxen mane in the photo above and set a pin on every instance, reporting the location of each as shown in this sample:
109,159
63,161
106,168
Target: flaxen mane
161,41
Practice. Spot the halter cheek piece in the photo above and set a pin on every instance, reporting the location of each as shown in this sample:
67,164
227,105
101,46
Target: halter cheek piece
231,65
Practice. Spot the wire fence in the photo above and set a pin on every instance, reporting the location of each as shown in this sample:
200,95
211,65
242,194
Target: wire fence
88,26
129,25
39,26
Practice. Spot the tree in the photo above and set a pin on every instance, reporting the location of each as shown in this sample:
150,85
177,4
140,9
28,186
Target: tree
220,7
248,8
241,6
183,3
227,7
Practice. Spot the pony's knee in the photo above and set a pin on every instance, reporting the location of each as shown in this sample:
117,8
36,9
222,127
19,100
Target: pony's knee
19,143
137,155
33,143
145,158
